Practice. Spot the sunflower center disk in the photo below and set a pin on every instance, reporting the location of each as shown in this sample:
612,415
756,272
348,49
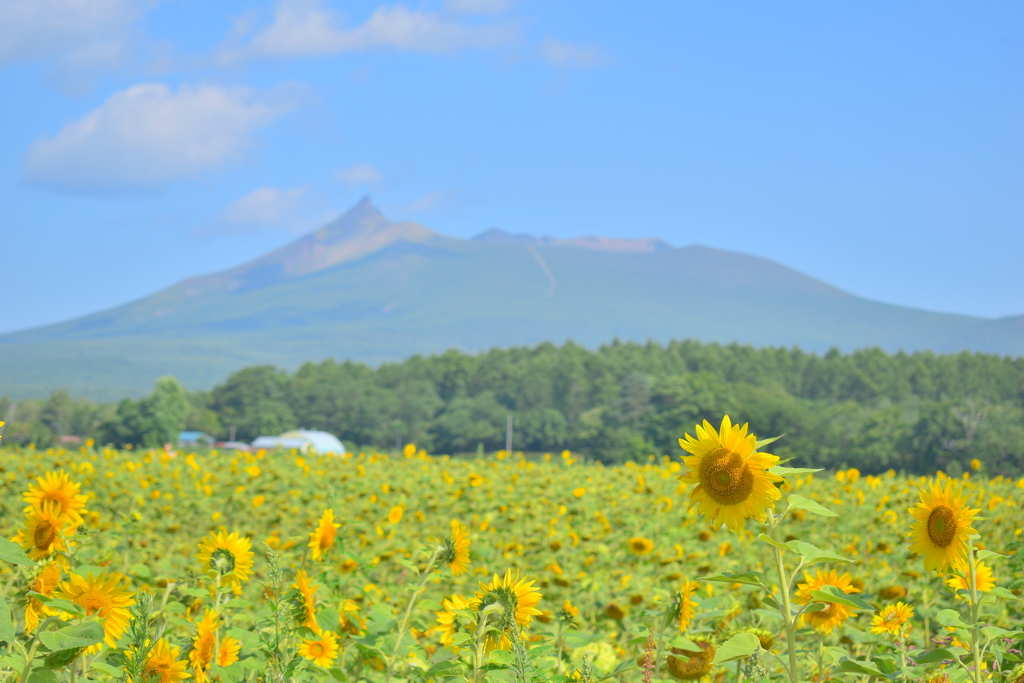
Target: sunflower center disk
726,477
222,561
93,602
44,535
942,526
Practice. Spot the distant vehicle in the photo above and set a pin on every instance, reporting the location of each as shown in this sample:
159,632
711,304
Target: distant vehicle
303,440
195,439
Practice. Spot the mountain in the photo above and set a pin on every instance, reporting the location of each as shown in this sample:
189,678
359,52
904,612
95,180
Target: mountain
369,289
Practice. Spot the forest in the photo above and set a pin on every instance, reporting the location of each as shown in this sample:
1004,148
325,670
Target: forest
624,401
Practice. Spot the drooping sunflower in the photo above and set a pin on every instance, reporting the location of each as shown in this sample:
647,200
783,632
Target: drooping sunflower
163,666
891,619
107,596
732,479
228,556
518,599
687,606
834,614
984,581
57,488
456,549
45,583
640,546
44,530
322,651
691,666
204,646
306,613
322,538
448,621
942,526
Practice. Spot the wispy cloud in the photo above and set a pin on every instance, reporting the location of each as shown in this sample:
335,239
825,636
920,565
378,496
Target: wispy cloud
440,201
359,174
149,135
265,206
308,28
567,55
476,6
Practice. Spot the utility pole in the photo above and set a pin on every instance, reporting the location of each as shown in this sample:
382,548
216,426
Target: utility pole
508,435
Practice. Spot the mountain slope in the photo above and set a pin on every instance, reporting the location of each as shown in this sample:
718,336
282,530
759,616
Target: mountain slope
368,289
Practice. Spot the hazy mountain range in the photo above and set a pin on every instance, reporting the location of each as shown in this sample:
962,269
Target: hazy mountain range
372,290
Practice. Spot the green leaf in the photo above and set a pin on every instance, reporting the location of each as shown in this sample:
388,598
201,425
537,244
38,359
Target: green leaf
792,471
624,665
797,502
238,603
684,643
42,676
861,667
937,655
431,605
6,625
836,595
770,601
175,607
447,668
501,658
248,639
989,554
12,552
749,578
61,658
63,605
771,541
812,554
996,632
460,638
948,617
1001,592
764,442
73,637
739,646
103,667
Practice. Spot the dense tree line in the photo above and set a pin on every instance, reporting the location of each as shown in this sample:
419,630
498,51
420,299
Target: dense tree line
867,409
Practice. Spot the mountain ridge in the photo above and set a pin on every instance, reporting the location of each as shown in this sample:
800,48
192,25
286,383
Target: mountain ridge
365,288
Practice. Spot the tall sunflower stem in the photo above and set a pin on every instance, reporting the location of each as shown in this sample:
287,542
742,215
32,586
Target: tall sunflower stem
786,607
480,646
413,599
972,583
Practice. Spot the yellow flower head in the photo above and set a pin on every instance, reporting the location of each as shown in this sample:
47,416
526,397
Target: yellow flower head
691,666
640,546
395,516
732,479
44,531
984,581
834,614
687,606
228,652
106,596
226,555
306,615
58,489
45,583
321,651
448,620
942,526
456,549
891,619
163,666
518,599
204,645
322,538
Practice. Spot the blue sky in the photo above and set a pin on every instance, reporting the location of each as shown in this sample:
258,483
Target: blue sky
876,146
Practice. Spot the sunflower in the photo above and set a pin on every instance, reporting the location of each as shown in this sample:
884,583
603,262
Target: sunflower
306,615
162,665
984,581
105,596
640,546
456,549
227,556
44,529
204,645
322,651
569,614
448,623
227,654
943,526
686,604
518,599
891,619
57,487
350,624
732,479
45,583
322,538
834,614
691,666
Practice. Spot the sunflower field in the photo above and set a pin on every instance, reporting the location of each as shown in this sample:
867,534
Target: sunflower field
721,564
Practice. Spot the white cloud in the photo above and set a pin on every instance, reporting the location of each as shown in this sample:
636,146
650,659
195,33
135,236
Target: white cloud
84,32
148,135
440,201
359,174
476,6
307,28
265,206
564,55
